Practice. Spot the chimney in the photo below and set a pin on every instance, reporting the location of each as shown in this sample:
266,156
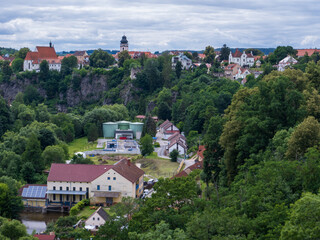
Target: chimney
50,44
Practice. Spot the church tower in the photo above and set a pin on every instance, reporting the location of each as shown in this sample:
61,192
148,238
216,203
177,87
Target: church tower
124,46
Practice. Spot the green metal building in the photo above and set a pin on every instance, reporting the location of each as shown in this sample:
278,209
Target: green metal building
125,129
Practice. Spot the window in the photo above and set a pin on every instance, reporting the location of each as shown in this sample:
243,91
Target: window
108,178
54,188
98,187
74,188
67,188
109,188
54,197
114,178
74,198
60,188
93,219
80,197
98,218
81,189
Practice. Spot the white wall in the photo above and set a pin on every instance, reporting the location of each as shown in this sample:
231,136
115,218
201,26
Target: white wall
95,220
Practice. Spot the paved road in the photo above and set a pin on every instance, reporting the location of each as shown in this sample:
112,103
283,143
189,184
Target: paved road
163,144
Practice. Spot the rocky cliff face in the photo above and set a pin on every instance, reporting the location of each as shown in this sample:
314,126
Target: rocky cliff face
91,90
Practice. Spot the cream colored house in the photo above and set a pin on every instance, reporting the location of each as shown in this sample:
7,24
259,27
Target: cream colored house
68,184
97,219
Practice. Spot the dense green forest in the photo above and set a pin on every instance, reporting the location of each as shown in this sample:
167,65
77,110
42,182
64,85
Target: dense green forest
261,171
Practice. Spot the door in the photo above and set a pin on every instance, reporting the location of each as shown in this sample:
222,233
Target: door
109,200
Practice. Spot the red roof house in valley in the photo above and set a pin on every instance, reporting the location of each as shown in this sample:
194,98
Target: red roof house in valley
44,237
167,128
309,52
187,171
68,184
33,59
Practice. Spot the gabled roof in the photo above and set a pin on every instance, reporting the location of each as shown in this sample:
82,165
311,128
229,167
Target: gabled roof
102,213
44,237
76,172
128,170
179,142
80,53
176,136
237,53
46,52
164,123
288,59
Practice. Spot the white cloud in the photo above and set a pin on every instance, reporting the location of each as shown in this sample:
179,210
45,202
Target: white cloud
159,25
309,40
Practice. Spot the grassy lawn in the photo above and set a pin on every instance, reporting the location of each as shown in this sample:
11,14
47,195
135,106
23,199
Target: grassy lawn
80,145
86,212
158,167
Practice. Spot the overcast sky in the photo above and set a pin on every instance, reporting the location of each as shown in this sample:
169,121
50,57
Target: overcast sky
159,25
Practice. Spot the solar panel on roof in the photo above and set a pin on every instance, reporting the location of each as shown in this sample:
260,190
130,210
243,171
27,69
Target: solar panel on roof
34,192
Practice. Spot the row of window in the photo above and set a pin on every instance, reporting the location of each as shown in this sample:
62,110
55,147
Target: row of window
67,188
114,178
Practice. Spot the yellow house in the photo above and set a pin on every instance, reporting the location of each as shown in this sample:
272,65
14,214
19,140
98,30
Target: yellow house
68,184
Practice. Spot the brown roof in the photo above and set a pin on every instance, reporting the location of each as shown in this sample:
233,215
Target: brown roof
179,142
187,171
176,136
80,53
173,136
201,149
128,170
164,123
76,172
44,237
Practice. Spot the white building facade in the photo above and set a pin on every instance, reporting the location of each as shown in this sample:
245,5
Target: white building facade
243,59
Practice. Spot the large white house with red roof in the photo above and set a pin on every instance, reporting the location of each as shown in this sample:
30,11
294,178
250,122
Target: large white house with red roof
241,58
33,59
68,184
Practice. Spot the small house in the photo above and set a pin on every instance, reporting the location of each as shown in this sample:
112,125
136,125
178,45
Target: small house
97,219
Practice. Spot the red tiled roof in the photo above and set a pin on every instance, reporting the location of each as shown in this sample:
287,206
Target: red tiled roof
76,172
46,52
171,131
34,56
44,237
1,58
249,55
187,171
201,55
197,165
257,58
128,170
302,52
176,136
201,149
87,173
173,136
141,116
237,53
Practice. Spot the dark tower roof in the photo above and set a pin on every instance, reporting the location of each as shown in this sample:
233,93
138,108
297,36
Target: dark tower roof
124,39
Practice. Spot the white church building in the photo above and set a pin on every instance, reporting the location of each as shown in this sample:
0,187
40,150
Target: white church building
243,59
33,59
